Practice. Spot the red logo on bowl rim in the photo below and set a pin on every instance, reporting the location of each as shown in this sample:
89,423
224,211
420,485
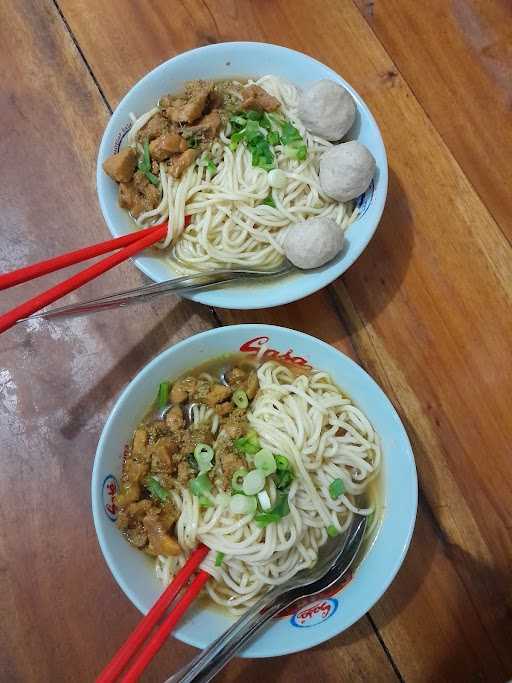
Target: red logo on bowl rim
315,613
108,491
254,346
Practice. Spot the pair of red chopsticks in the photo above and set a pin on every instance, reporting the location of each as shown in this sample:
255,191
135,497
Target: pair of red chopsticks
147,651
128,245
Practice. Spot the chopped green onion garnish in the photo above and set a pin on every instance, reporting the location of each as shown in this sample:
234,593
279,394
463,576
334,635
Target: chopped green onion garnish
283,479
145,165
254,482
254,115
156,489
242,505
163,394
264,461
264,500
238,121
269,201
205,502
200,485
280,510
273,138
332,531
152,178
237,480
336,488
219,558
282,462
240,399
289,133
294,151
249,443
211,167
204,456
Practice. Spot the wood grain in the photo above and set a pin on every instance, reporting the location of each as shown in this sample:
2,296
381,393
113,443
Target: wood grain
60,610
457,59
424,308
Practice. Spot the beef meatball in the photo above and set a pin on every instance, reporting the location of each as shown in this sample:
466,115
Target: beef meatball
327,109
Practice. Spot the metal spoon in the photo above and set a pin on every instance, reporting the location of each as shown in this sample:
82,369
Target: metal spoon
184,282
334,561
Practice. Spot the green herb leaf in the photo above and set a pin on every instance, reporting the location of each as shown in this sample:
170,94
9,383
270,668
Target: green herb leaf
289,133
156,489
163,394
269,201
254,115
152,178
332,531
336,488
273,138
280,510
200,485
219,558
145,164
283,479
282,462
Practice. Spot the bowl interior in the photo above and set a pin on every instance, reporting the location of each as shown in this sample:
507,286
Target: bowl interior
325,617
244,59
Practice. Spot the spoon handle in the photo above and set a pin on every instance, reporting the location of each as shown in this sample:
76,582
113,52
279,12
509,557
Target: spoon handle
212,659
139,294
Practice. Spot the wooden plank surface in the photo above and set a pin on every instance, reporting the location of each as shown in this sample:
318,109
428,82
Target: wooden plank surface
423,308
58,382
60,608
457,59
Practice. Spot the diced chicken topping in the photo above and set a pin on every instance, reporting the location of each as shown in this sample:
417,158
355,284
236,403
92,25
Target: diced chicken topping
207,128
139,195
121,167
188,108
259,99
178,165
163,147
154,128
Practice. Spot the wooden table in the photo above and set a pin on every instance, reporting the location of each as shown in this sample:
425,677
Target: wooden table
425,310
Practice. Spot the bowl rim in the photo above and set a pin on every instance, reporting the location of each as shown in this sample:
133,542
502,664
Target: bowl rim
301,285
393,565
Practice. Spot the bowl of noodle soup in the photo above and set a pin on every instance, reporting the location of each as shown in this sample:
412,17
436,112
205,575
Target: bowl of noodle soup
328,421
222,219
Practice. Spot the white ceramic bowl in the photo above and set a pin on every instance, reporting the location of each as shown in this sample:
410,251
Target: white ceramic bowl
134,572
244,59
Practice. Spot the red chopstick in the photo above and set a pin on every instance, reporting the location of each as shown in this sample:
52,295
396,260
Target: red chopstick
35,270
7,320
143,630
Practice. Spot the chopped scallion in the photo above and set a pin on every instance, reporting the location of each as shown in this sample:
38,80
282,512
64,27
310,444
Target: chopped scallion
332,531
237,480
280,510
219,559
240,399
254,482
336,488
204,456
200,485
264,461
156,489
242,505
282,462
163,394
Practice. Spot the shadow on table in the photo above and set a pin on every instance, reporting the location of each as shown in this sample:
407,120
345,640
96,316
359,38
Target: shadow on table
376,277
154,341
